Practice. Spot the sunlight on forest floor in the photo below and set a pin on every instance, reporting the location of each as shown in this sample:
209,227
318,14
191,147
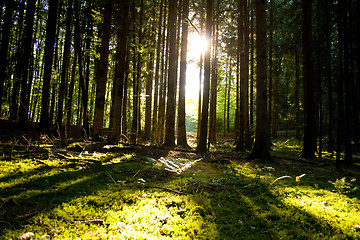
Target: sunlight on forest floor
128,194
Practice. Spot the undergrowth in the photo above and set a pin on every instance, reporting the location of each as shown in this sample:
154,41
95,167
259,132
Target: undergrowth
132,196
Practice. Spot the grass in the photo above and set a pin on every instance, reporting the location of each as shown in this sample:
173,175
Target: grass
126,195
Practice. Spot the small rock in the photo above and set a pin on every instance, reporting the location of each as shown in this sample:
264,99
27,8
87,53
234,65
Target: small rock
240,222
356,228
180,212
144,195
25,236
164,218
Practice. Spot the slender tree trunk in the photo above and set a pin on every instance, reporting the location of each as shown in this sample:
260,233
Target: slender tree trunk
271,10
214,80
181,131
309,142
69,105
171,89
261,148
4,49
102,69
200,71
247,137
163,80
340,87
297,98
205,103
48,59
149,84
65,63
160,38
347,80
14,104
120,68
229,96
252,71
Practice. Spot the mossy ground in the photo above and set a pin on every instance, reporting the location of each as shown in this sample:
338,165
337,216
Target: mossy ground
126,195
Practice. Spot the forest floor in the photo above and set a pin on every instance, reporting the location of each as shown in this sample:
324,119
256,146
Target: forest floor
96,191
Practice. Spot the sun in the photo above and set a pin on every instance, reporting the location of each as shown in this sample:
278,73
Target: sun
196,46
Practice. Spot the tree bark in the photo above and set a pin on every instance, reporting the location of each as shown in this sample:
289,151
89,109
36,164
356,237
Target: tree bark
201,148
48,59
102,69
120,68
309,142
171,88
5,45
65,63
181,130
261,148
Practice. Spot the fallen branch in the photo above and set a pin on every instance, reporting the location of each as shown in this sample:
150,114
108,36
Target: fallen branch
166,189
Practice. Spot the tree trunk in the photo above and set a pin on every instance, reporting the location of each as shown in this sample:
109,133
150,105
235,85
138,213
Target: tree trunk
297,98
171,88
102,69
65,63
271,10
214,80
309,142
181,130
201,148
14,104
252,71
200,71
6,27
149,84
48,59
347,70
160,38
261,148
120,68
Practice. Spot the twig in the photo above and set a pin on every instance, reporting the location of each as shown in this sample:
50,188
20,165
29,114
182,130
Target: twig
166,189
112,178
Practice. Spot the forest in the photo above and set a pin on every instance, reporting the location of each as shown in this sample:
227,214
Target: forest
240,118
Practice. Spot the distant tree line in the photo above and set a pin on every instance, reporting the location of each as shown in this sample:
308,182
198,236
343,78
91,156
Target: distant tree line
273,67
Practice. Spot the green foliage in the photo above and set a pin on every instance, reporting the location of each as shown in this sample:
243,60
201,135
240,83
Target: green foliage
341,185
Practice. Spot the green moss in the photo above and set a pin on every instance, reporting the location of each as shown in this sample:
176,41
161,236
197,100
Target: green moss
233,201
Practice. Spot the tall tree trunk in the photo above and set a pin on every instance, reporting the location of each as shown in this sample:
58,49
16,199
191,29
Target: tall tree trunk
240,95
171,89
69,105
149,85
205,103
247,137
297,94
48,59
214,80
252,71
14,104
347,70
309,142
271,61
261,148
229,96
162,93
102,69
5,34
200,71
135,127
65,63
181,130
328,76
120,68
160,38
